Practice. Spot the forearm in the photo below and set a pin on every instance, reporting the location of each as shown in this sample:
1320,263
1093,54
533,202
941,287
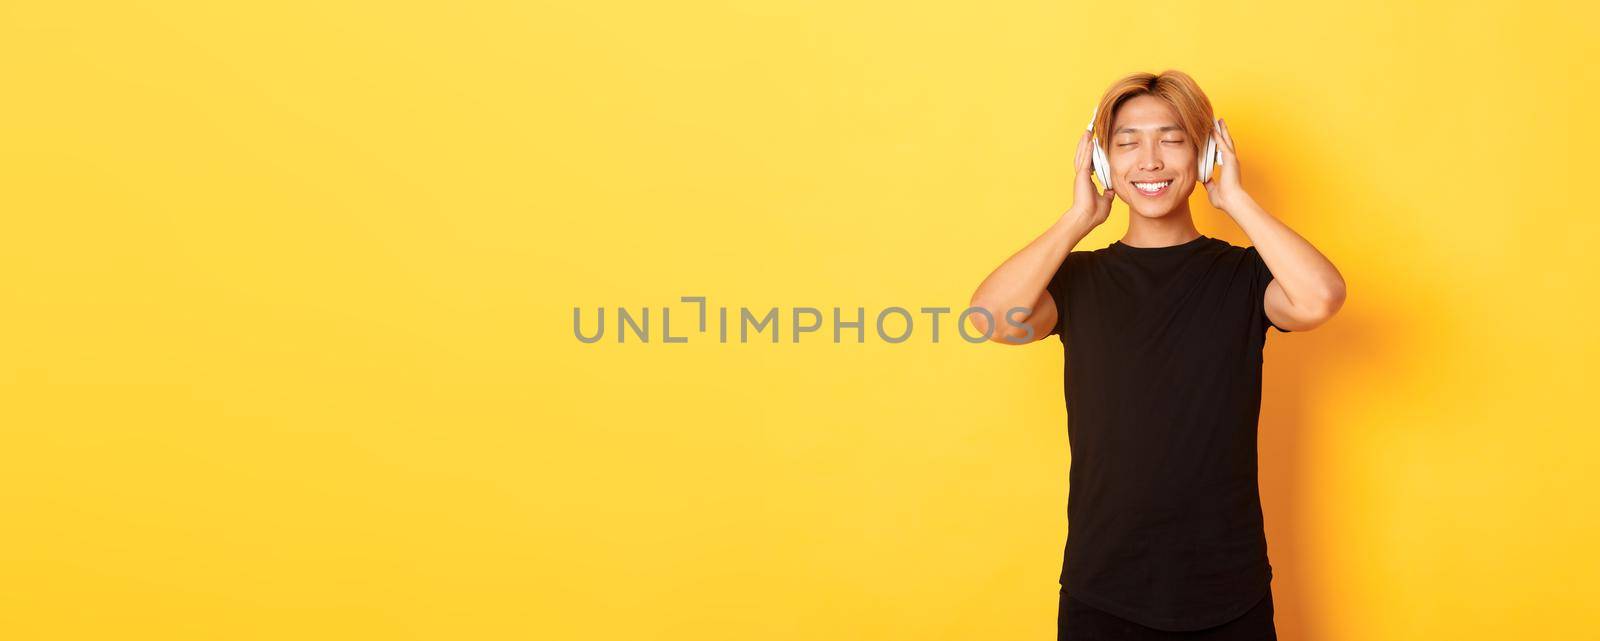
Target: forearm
1308,279
1019,281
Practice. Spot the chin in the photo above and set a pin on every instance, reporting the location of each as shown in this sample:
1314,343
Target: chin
1154,208
1151,210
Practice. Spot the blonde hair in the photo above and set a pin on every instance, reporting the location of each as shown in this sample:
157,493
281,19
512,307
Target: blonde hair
1175,88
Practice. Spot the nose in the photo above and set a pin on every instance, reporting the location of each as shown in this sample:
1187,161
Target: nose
1150,158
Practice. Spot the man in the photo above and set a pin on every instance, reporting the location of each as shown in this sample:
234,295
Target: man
1162,332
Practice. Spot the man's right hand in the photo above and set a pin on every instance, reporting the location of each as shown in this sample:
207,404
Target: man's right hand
1089,209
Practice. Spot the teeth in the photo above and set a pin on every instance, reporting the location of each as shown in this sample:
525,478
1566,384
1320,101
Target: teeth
1152,186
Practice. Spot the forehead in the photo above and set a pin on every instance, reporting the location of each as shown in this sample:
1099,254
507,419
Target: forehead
1145,112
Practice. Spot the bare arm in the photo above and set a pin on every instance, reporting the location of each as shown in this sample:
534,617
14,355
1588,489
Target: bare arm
1306,289
1020,281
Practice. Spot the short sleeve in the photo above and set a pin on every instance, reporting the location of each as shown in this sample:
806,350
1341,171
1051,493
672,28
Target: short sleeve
1262,276
1059,291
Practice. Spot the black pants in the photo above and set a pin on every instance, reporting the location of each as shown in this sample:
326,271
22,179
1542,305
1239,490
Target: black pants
1077,621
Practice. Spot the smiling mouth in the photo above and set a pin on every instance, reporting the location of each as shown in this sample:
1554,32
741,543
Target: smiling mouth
1152,188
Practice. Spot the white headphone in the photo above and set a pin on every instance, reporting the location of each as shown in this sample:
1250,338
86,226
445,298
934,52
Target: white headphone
1209,158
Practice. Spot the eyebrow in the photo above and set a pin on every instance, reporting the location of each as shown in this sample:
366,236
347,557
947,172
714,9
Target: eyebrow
1129,130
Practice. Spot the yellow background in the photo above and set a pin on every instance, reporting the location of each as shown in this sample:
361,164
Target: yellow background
288,287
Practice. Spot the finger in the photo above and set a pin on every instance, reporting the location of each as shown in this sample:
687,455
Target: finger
1083,148
1227,136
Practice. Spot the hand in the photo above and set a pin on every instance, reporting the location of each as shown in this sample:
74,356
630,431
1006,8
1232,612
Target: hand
1225,190
1088,208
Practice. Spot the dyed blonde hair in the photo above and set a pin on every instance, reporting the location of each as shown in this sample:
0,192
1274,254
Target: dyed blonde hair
1175,88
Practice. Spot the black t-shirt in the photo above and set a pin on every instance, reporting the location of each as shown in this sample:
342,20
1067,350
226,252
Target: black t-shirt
1163,389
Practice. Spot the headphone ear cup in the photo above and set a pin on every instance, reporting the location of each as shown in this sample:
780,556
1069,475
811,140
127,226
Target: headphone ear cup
1102,167
1206,159
1097,156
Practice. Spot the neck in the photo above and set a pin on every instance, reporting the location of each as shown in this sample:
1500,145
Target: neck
1175,228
